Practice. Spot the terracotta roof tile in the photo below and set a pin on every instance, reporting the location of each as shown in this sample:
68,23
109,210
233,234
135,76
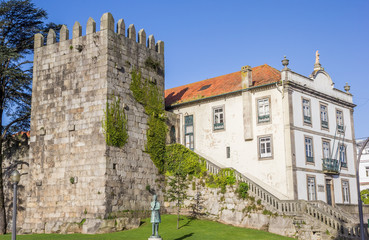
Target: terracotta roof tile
261,75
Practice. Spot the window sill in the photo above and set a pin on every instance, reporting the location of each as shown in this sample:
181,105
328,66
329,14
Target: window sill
265,158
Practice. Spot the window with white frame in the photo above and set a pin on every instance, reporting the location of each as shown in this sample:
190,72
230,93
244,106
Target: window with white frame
326,149
189,140
218,118
324,116
343,159
367,171
306,111
346,192
265,147
311,188
339,116
309,149
263,110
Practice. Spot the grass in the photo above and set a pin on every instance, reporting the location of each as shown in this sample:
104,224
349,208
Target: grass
189,230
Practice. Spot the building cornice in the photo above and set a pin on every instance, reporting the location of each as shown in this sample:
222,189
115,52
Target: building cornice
296,86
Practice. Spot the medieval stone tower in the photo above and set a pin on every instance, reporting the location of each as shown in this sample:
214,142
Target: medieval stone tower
73,173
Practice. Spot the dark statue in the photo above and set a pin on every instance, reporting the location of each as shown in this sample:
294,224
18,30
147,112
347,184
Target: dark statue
155,217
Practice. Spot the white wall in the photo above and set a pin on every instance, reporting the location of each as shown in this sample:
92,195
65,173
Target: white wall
244,154
318,134
364,163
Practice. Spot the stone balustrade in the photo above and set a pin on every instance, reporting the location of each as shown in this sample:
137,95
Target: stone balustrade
336,219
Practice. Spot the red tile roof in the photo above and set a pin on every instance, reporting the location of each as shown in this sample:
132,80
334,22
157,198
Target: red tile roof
261,75
21,133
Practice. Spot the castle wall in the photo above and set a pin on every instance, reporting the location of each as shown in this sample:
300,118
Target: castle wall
130,169
73,174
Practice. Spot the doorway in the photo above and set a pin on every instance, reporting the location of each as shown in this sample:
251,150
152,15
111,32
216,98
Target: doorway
329,191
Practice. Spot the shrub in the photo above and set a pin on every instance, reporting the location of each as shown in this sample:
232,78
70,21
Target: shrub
191,164
242,190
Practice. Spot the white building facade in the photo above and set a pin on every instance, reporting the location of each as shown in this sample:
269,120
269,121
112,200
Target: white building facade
364,164
291,134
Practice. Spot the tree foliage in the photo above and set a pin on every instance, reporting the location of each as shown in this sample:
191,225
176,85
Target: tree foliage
19,21
365,196
178,155
177,191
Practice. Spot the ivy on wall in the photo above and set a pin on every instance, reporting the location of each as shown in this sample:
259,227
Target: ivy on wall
147,93
115,124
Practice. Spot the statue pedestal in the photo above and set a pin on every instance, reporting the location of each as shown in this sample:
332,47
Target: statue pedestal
154,238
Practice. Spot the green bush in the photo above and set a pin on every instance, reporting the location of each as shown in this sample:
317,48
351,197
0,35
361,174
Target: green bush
224,178
242,190
115,124
178,155
365,196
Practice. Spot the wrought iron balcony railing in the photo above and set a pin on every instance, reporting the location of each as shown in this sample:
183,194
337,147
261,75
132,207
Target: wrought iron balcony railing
218,126
331,166
263,118
340,128
307,119
324,124
310,159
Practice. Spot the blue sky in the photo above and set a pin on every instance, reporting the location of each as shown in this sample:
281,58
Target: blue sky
204,39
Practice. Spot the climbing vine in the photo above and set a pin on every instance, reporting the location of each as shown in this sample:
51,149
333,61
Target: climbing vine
147,93
115,124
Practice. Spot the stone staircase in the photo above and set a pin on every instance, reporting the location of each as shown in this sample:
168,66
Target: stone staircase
323,220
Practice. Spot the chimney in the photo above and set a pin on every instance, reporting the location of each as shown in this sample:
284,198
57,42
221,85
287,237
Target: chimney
246,75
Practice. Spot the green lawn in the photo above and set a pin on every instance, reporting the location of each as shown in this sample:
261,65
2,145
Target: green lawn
189,230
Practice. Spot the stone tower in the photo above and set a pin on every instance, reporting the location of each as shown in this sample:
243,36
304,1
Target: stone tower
73,173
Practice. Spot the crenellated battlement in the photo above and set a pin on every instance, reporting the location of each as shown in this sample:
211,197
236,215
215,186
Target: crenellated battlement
106,24
74,175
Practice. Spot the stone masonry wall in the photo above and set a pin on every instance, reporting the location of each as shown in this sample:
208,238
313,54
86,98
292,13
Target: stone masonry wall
73,174
229,209
130,170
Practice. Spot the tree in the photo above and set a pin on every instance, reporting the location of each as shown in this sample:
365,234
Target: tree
177,191
19,21
365,196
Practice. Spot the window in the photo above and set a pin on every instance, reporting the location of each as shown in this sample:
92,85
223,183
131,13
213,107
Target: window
324,116
172,135
228,151
345,191
309,149
367,171
265,147
326,149
339,116
263,110
343,158
306,111
311,188
218,115
189,141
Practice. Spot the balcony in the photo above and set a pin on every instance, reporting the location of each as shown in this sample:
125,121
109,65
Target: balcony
263,118
218,126
331,166
324,124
